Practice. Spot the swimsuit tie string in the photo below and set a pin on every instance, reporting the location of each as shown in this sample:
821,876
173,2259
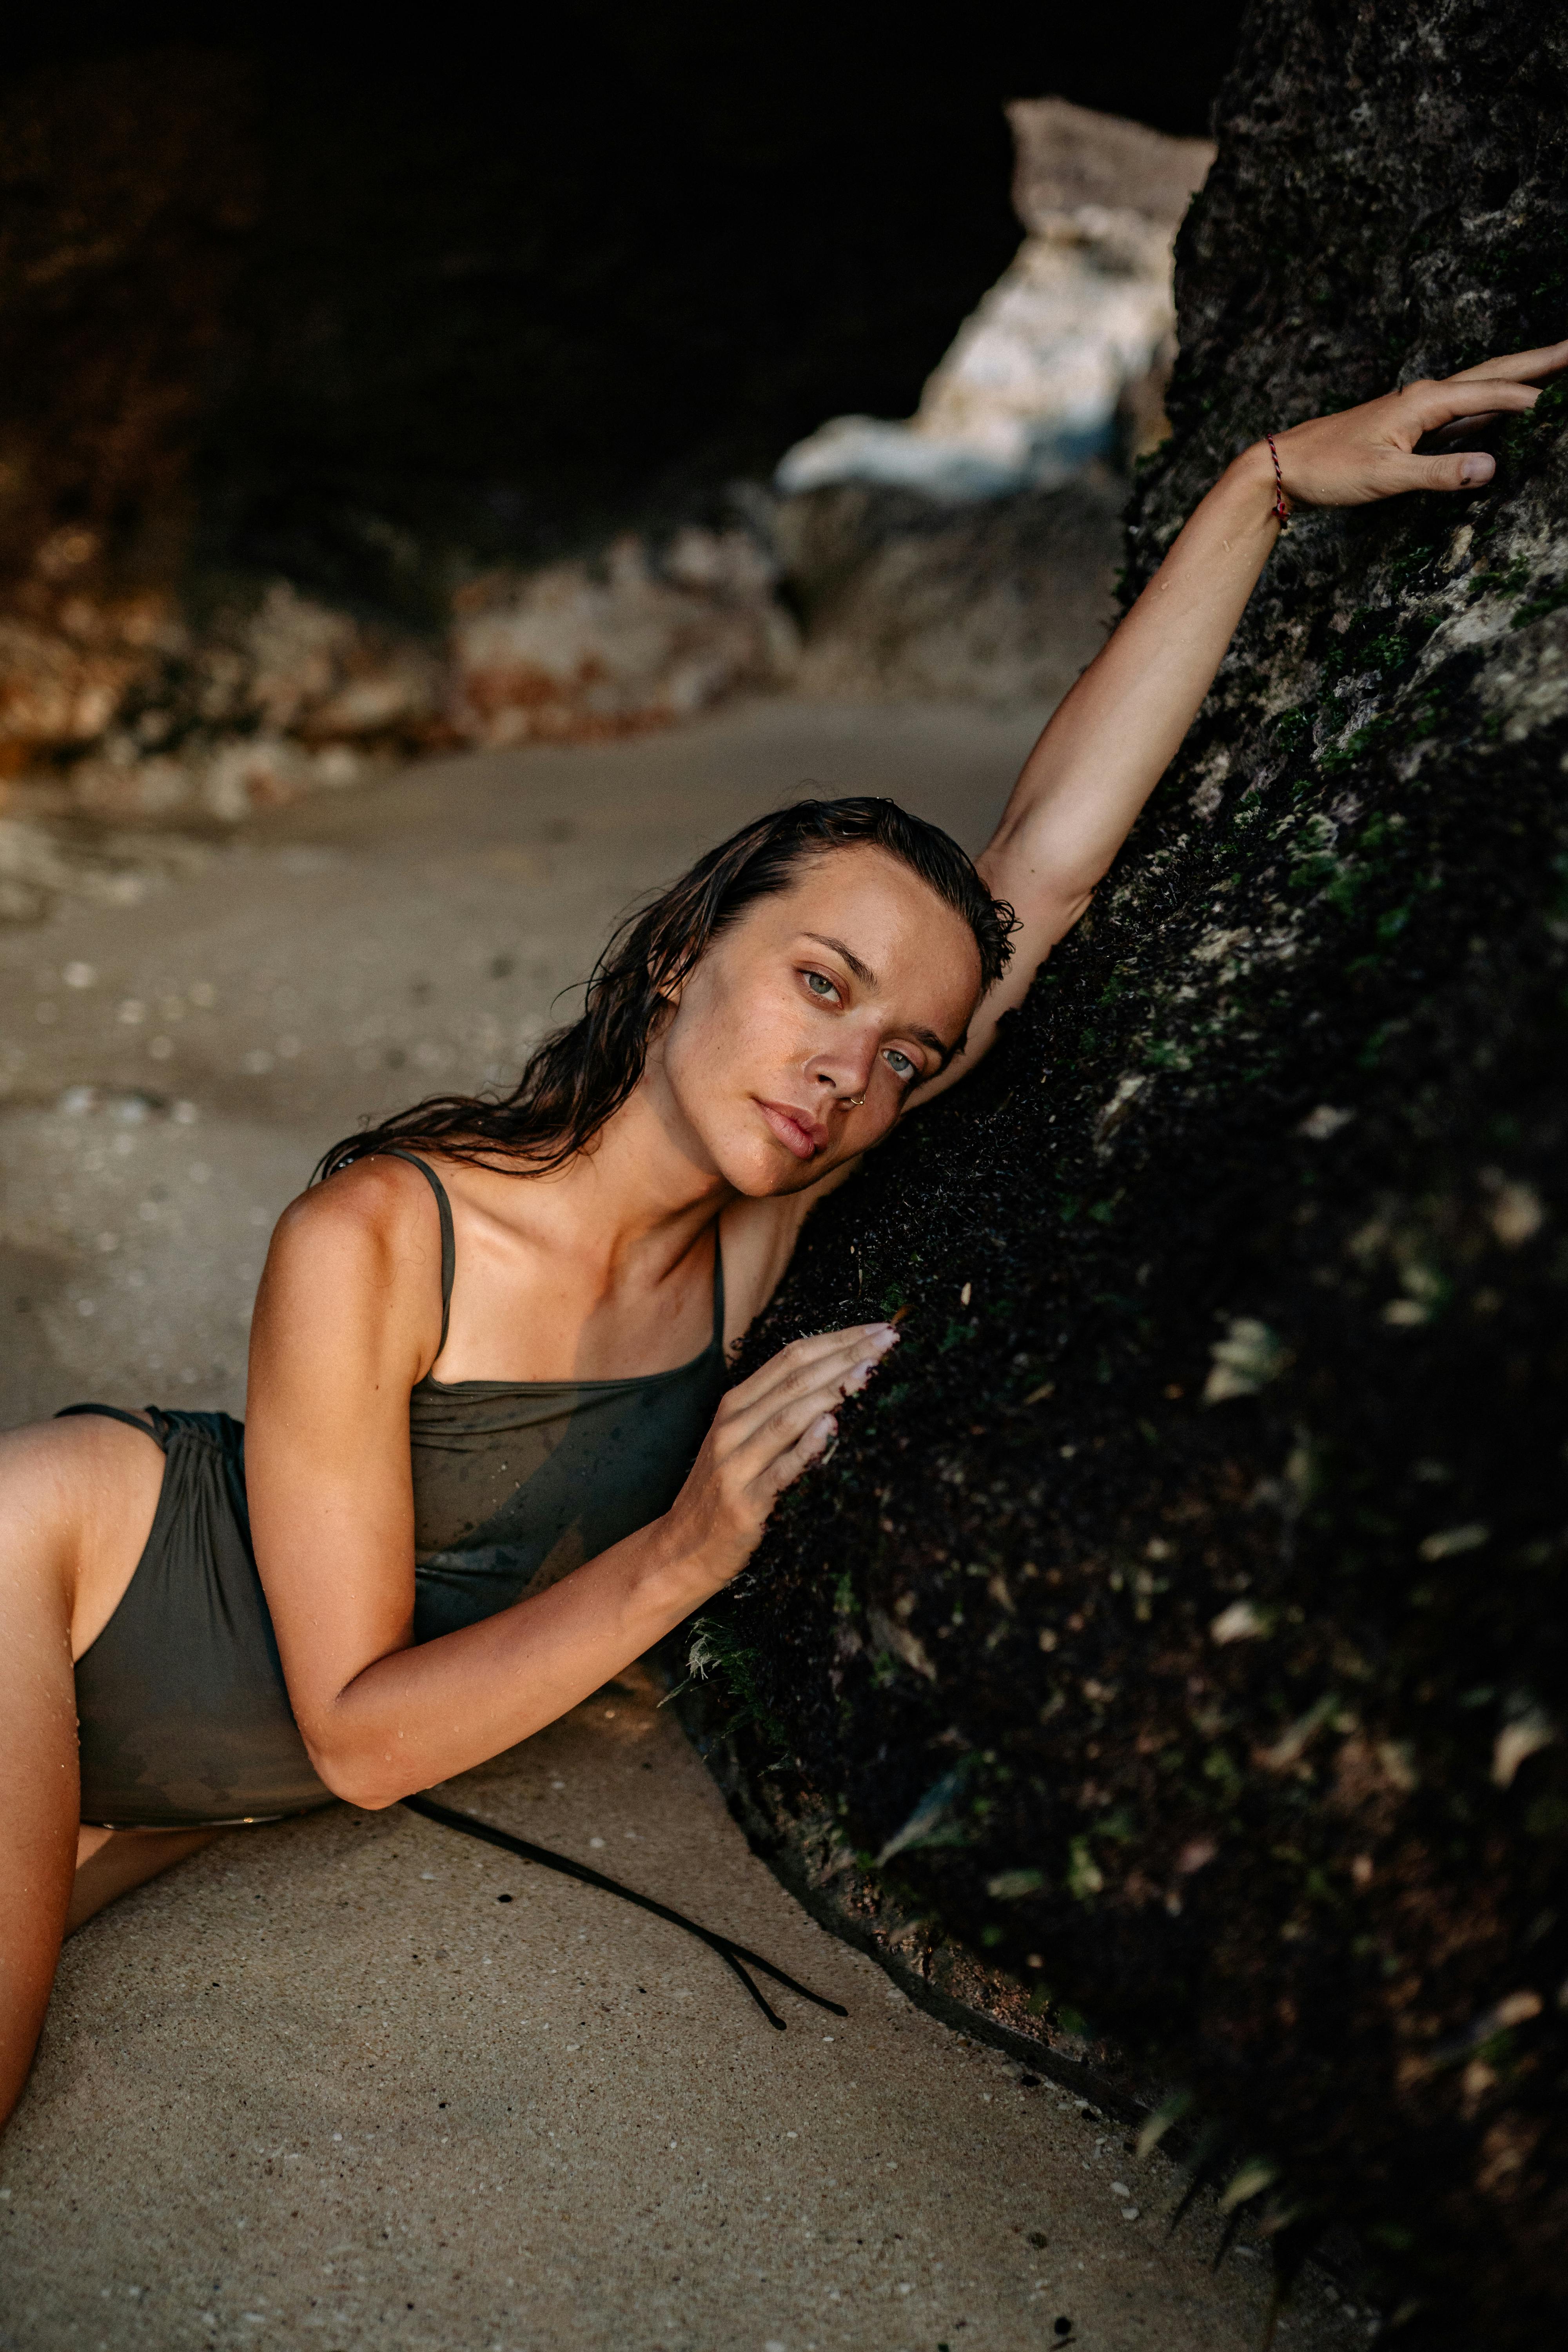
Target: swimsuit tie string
733,1954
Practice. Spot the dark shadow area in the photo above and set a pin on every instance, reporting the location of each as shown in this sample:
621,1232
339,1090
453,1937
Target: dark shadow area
336,302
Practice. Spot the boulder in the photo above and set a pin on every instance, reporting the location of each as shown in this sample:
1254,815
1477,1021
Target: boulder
901,595
1177,1632
127,712
124,708
576,652
1069,338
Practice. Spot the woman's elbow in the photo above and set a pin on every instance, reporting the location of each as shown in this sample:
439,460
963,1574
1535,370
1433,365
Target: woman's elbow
371,1782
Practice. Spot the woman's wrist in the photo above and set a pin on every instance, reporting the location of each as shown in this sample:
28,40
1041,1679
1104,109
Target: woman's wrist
676,1574
1253,482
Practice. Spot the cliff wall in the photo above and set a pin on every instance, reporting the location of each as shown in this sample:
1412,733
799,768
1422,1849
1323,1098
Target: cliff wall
1178,1634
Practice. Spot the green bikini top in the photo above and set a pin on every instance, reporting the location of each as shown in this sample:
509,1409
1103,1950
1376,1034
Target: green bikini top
516,1482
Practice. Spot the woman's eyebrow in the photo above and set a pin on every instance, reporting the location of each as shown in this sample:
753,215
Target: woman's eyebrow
929,1037
862,972
867,978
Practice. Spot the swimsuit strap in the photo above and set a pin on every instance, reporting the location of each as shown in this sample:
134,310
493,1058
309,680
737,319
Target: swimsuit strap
159,1433
734,1956
448,1243
449,1247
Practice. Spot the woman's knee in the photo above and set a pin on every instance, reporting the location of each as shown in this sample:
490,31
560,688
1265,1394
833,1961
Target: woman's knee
78,1499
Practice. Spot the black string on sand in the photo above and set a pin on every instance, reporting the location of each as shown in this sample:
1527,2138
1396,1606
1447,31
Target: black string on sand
732,1954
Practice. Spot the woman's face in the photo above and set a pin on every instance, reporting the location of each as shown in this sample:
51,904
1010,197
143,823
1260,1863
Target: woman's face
808,1025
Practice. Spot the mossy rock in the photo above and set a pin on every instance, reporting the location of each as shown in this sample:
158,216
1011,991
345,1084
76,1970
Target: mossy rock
1182,1618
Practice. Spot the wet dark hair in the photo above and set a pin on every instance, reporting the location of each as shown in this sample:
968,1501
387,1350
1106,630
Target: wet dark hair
581,1074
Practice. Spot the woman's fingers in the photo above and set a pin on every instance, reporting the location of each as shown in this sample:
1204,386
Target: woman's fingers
797,1368
1428,407
1522,367
809,1351
1369,453
1467,470
763,1435
776,1425
748,1454
809,1447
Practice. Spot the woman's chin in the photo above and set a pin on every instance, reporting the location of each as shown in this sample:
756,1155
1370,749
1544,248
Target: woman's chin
757,1183
762,1172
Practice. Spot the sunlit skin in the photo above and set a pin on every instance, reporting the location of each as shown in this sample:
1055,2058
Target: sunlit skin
805,1033
794,1047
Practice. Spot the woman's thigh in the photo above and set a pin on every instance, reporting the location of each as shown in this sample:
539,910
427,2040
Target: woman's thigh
77,1501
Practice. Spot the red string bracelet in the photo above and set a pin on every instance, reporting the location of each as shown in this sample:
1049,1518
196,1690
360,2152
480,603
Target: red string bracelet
1280,508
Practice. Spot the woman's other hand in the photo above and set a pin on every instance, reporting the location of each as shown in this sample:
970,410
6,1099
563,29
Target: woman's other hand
1370,452
765,1433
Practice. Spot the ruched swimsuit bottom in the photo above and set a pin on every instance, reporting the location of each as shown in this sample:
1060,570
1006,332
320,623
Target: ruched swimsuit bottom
183,1712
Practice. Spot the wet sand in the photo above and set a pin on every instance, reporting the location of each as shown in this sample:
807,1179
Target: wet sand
323,2083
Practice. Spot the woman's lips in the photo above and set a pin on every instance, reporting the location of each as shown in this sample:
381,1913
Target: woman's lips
795,1129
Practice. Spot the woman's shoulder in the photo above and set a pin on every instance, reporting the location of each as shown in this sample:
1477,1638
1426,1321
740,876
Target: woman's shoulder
358,1227
354,1264
371,1200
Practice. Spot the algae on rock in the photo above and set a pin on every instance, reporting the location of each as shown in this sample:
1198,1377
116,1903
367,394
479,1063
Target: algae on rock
1182,1619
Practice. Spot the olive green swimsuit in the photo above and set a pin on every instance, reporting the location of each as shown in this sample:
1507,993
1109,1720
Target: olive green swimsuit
183,1712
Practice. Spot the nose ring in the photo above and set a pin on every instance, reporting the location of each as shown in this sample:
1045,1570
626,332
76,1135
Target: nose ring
853,1102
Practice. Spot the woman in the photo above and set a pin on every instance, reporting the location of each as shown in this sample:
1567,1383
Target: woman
488,1459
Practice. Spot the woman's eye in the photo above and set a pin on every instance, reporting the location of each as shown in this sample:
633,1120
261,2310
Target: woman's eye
820,985
899,1064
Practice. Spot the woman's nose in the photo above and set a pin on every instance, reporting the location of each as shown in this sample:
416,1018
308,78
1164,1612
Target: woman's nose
847,1074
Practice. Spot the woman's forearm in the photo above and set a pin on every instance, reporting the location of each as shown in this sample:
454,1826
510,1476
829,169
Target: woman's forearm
1117,732
402,1716
423,1714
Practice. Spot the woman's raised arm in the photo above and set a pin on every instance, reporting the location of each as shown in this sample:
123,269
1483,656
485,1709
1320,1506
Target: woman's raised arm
1114,735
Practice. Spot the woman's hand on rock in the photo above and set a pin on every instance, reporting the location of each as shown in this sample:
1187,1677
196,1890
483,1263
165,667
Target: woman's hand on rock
1369,452
764,1433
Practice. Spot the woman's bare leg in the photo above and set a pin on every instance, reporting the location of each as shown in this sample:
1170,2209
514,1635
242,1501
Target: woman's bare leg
77,1500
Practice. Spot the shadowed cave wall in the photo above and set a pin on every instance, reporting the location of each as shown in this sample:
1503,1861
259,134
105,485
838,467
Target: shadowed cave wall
287,294
1181,1620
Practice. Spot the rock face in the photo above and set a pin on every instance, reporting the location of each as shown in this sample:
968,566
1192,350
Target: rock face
127,195
1076,330
174,650
970,552
573,653
287,356
899,595
1182,1622
131,708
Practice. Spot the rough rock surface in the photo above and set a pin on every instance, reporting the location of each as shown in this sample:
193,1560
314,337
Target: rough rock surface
1005,601
561,655
1181,1623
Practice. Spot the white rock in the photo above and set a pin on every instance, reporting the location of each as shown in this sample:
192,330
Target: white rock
1080,324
